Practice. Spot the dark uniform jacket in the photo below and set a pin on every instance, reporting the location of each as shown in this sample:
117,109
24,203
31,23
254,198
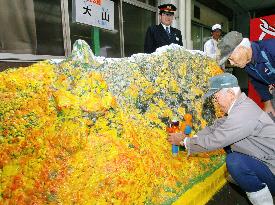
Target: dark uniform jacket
156,37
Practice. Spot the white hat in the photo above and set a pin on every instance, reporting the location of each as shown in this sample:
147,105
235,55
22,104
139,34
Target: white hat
216,26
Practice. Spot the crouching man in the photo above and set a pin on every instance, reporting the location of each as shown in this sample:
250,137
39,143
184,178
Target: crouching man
247,134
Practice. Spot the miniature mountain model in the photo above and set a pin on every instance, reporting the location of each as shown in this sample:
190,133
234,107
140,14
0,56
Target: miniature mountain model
92,130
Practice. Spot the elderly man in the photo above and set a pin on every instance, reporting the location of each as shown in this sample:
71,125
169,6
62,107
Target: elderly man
162,34
247,133
257,59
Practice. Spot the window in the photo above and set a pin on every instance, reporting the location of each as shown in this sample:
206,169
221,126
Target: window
31,27
200,34
136,22
150,2
197,12
206,34
153,2
196,37
49,27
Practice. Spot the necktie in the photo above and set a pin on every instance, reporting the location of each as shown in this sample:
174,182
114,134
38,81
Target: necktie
168,31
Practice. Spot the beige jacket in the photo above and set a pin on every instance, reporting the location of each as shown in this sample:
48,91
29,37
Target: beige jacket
248,130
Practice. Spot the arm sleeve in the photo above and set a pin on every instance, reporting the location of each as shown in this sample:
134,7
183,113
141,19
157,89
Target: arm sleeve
149,41
270,50
180,41
262,90
224,133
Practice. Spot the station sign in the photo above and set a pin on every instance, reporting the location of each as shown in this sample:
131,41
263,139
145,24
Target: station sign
98,13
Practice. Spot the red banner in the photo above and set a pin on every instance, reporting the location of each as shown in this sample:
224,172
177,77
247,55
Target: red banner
260,29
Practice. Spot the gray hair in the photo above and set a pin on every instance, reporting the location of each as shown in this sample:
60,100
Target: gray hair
245,42
236,90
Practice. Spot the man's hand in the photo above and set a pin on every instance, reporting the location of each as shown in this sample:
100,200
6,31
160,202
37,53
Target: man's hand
270,88
269,108
175,138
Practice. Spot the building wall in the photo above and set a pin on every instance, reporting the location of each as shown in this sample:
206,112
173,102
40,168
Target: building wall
209,17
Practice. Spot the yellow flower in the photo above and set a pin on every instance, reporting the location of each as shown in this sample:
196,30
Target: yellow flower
76,133
65,99
181,111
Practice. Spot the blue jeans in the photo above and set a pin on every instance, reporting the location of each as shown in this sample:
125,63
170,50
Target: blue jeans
250,174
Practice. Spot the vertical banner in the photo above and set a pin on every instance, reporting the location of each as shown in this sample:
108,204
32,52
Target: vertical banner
260,29
98,13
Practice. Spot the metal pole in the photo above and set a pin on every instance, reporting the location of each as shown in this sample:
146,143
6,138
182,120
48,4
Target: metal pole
189,44
182,21
66,26
121,29
96,41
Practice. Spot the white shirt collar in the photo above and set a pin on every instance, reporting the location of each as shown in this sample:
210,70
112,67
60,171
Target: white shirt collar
165,26
216,40
231,106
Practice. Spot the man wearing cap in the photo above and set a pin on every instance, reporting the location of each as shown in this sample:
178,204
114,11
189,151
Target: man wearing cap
210,47
257,59
247,136
162,34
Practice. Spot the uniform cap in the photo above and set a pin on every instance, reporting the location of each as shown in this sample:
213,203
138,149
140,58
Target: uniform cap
170,8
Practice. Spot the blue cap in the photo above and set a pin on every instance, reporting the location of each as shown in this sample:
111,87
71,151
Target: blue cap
218,82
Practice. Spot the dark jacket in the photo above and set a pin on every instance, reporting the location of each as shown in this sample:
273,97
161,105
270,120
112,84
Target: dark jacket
262,75
156,37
